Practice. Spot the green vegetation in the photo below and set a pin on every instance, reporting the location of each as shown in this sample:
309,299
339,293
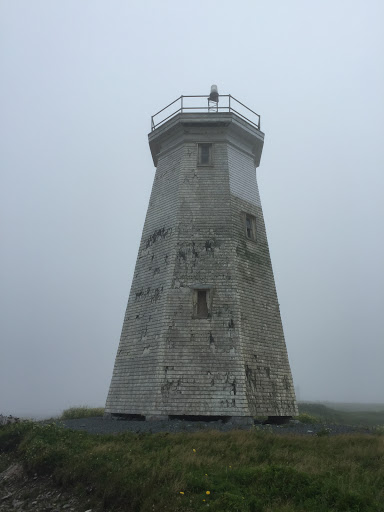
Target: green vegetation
233,471
325,414
379,430
304,417
81,412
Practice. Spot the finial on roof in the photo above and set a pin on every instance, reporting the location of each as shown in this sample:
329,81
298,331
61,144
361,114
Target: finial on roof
214,95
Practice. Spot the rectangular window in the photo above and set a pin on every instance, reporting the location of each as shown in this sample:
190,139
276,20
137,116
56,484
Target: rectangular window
204,154
201,303
250,226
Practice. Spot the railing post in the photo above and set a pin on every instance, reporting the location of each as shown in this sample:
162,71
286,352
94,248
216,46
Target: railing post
231,101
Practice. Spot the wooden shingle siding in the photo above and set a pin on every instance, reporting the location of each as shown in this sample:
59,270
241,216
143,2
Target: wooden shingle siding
169,361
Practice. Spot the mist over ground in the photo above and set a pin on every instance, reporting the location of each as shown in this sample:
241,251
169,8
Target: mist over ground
79,82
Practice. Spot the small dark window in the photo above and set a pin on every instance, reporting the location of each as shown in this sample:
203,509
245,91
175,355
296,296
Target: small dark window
205,154
202,304
250,227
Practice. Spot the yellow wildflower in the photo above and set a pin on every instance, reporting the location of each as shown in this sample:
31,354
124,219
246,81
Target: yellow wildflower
181,492
194,451
207,492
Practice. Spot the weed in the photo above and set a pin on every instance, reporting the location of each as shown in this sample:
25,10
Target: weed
323,432
307,418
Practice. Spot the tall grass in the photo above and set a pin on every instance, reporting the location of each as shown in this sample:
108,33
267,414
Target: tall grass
81,412
240,470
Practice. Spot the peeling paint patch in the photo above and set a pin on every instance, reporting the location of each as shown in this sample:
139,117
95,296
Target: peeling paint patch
209,247
181,255
158,234
171,386
156,294
142,293
194,252
251,377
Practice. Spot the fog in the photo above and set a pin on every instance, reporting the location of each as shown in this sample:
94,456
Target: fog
79,82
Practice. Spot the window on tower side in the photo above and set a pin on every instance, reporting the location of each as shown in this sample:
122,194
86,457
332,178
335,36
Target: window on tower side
204,154
250,226
202,306
201,303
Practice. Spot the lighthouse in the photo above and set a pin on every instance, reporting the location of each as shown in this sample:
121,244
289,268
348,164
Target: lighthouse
202,336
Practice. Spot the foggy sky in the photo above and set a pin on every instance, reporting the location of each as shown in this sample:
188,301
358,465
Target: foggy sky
78,84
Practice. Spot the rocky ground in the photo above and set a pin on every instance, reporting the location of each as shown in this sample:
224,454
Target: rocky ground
20,492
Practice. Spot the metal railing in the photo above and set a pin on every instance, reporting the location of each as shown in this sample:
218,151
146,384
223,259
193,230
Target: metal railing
186,104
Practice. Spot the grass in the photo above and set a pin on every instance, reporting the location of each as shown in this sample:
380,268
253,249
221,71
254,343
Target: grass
242,470
81,412
304,417
326,414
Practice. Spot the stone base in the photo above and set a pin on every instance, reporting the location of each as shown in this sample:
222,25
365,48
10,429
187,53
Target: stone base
277,420
124,417
154,417
241,420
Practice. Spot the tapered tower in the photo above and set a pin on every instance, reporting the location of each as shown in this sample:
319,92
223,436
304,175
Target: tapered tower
202,333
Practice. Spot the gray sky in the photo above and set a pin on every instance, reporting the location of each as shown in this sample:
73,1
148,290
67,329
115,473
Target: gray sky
79,81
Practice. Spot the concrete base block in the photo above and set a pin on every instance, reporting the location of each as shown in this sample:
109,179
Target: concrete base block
107,416
277,420
241,420
154,417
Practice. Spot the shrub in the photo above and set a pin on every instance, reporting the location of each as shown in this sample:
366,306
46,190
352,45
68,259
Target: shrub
323,432
12,434
82,412
304,417
379,429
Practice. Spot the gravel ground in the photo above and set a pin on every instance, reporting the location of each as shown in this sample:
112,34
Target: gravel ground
108,426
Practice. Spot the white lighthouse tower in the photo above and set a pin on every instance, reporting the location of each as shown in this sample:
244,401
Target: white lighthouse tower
202,334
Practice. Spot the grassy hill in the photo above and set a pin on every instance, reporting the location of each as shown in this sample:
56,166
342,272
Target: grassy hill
236,471
344,415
